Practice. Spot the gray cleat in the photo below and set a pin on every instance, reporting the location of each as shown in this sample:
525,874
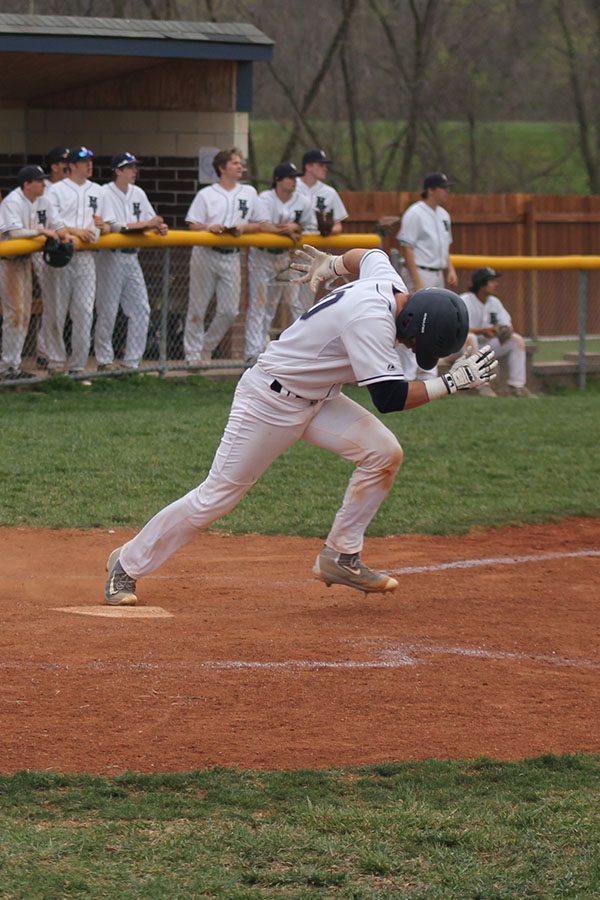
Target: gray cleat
348,569
120,587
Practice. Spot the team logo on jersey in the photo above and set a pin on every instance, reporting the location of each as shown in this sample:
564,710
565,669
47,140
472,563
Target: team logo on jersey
391,367
297,216
243,207
94,203
41,217
320,204
137,211
446,225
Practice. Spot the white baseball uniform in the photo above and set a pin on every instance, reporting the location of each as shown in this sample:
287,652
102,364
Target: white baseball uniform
324,199
72,289
120,280
429,233
39,267
19,217
264,263
480,316
294,393
215,270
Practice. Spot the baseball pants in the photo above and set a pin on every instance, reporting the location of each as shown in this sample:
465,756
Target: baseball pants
408,361
15,293
211,273
262,425
120,281
516,357
39,268
264,297
71,290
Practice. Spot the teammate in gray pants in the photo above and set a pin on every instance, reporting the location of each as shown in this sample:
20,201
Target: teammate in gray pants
120,277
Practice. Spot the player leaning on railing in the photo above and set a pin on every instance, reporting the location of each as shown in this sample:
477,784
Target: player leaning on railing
294,392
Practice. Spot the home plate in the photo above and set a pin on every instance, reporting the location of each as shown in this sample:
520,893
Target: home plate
118,612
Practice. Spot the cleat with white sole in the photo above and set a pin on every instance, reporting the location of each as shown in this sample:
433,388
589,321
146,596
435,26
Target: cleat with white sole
120,587
349,570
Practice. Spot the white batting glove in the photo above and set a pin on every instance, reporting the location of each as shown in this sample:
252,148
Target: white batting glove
316,265
472,371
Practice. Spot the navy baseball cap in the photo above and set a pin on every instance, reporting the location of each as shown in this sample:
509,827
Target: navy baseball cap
436,180
78,154
30,173
120,160
482,276
57,155
313,156
285,170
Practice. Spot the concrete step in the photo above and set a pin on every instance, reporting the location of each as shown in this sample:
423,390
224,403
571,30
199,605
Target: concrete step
589,357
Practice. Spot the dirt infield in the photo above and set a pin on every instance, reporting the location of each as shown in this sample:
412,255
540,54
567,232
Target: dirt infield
490,646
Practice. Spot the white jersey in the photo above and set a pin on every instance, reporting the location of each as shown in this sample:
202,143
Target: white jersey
74,205
213,205
349,336
297,209
428,231
17,213
323,198
480,314
124,207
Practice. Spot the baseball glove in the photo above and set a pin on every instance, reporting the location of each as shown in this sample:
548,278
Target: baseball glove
57,254
325,222
504,333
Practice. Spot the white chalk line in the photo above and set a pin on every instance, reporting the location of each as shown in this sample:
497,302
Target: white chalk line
494,561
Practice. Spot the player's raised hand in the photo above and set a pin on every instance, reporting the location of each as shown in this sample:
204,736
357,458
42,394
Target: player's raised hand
472,371
316,265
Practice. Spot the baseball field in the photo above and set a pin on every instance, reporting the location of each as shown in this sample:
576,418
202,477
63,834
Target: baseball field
247,732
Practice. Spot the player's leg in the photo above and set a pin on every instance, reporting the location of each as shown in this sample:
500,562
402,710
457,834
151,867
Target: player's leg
134,301
228,290
82,308
517,361
39,267
58,286
109,288
259,272
262,425
15,289
203,278
301,301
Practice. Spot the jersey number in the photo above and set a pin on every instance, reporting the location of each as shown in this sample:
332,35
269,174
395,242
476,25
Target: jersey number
326,301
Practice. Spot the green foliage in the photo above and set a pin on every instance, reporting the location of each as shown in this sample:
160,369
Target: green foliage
478,828
114,453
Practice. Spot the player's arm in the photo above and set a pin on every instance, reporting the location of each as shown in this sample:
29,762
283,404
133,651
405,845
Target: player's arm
396,395
450,276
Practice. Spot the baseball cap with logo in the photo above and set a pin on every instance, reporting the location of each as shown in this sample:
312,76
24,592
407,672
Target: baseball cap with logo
480,277
436,180
120,160
315,156
78,154
30,173
57,155
285,170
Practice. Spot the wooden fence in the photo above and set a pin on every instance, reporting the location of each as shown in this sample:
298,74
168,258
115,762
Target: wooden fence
541,303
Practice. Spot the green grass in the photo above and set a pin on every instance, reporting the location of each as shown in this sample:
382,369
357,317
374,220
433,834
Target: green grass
548,351
471,829
114,453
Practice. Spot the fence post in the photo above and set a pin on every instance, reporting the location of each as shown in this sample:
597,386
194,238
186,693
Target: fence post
582,325
164,311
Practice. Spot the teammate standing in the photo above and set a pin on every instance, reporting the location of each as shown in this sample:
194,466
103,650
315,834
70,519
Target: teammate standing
119,274
425,235
22,215
287,212
294,392
57,168
76,207
226,206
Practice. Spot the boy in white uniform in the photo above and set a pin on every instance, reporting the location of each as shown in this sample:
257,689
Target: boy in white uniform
76,207
288,212
119,274
294,393
23,214
226,206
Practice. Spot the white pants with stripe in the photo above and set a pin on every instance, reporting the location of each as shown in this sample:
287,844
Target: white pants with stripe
211,273
262,425
15,294
70,290
120,283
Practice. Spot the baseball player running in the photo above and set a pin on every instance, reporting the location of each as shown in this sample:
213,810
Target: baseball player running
76,207
286,211
23,214
294,393
119,274
226,206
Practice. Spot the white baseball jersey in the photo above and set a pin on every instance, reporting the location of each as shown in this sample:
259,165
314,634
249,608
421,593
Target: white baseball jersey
123,207
213,205
74,205
428,231
349,336
480,314
18,214
297,209
323,198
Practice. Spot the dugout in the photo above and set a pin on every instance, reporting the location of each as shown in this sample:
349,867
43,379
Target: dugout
163,90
